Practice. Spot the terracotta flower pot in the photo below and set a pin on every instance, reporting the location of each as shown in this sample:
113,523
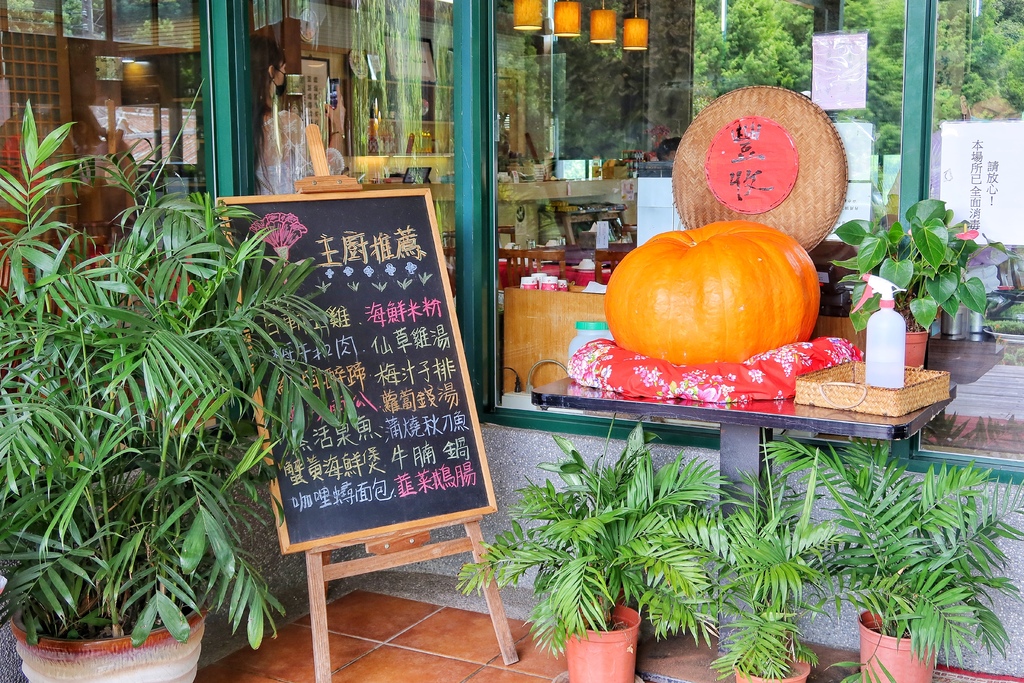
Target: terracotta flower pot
606,656
917,344
878,651
161,659
801,670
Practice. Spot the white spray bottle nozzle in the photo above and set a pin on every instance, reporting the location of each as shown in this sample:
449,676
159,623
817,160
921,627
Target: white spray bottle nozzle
883,287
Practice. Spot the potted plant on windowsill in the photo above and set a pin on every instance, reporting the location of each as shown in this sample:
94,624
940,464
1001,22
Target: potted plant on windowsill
128,425
615,536
919,557
774,568
927,256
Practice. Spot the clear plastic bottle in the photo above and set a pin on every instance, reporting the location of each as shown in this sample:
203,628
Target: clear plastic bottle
588,331
887,338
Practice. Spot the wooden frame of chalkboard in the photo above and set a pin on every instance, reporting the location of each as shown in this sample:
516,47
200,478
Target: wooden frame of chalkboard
416,459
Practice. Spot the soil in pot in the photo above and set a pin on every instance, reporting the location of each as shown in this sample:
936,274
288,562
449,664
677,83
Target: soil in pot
161,659
880,654
606,656
801,670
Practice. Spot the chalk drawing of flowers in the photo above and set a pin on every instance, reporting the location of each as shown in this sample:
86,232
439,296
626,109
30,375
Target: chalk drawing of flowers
368,271
410,268
330,273
282,230
348,271
390,269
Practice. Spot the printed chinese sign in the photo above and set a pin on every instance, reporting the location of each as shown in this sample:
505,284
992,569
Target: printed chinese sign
415,454
981,169
839,71
752,165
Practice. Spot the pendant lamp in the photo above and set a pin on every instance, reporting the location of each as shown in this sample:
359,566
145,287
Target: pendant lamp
527,15
634,32
602,25
567,19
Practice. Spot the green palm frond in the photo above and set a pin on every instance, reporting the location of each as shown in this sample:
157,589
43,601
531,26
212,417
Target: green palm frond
921,552
611,532
129,456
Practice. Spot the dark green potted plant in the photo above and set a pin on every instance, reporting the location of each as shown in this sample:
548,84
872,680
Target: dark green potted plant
131,461
614,534
927,256
919,556
774,568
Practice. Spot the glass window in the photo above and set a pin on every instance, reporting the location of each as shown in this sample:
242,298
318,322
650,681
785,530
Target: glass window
587,132
375,77
137,93
977,151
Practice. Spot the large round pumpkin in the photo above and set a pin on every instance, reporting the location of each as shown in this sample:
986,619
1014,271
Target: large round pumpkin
724,292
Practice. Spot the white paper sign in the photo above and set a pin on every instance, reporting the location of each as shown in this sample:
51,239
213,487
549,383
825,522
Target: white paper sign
627,190
839,70
982,171
602,234
857,204
858,140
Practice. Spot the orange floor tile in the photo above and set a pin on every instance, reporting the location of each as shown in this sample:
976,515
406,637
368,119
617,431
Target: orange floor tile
377,638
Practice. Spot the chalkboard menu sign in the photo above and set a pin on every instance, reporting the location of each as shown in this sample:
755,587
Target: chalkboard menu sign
416,456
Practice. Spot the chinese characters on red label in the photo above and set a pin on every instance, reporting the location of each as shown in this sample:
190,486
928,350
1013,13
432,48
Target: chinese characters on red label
752,165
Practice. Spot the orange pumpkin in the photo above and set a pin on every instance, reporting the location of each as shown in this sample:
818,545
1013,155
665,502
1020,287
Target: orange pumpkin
724,292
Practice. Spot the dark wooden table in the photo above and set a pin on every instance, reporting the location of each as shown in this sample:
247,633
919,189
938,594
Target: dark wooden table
744,426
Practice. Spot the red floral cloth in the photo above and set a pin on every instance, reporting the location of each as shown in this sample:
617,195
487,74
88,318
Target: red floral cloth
602,364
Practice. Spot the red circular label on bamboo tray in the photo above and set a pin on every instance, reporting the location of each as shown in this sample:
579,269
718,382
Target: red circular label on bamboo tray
752,165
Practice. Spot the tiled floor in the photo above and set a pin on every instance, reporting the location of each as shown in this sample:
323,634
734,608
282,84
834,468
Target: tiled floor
377,638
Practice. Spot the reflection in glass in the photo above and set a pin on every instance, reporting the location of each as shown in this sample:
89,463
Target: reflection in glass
122,96
586,136
977,150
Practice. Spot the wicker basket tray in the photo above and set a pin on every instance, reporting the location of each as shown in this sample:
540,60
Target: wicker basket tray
843,387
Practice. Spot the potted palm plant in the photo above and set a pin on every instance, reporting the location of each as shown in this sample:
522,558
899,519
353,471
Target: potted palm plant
918,557
128,424
774,568
615,535
927,256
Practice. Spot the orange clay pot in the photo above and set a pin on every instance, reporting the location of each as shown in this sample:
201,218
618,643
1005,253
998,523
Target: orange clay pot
878,651
802,671
606,656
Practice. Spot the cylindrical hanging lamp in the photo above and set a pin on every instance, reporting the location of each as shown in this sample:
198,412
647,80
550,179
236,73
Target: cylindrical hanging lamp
567,19
527,15
602,25
634,32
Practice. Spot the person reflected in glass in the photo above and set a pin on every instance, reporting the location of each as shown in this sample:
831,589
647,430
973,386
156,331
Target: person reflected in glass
666,150
279,132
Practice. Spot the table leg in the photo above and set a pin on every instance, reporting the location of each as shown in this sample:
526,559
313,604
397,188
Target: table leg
740,451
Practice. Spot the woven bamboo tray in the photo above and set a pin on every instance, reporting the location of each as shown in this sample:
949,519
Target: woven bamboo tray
811,210
843,387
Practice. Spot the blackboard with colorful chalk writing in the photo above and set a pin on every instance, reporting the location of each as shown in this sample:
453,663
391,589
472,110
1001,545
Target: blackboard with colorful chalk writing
416,456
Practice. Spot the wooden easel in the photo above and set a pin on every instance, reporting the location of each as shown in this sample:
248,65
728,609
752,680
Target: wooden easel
322,180
387,551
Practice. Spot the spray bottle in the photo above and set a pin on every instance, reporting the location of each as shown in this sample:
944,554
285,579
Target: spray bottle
887,336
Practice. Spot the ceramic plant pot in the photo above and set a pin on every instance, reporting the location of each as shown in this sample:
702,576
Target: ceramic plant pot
801,670
161,659
880,654
917,344
606,656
